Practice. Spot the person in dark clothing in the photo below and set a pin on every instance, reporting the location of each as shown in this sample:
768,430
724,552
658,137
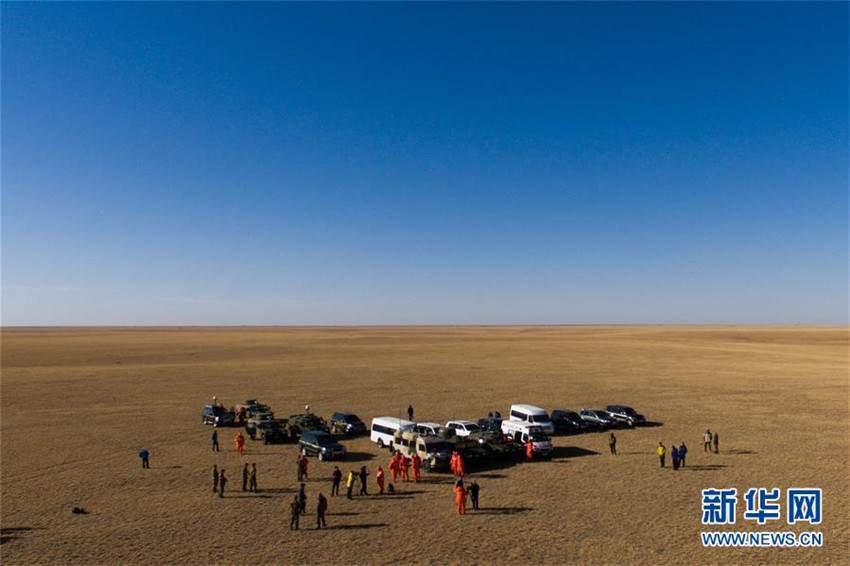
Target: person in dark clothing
674,456
612,443
498,415
145,457
252,481
320,511
337,477
473,494
302,499
410,412
245,474
222,481
683,450
716,450
301,467
295,513
363,475
214,439
215,478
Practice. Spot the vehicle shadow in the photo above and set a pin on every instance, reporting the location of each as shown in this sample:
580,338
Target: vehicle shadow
279,490
651,424
705,468
561,452
358,457
246,496
500,510
343,514
8,534
739,451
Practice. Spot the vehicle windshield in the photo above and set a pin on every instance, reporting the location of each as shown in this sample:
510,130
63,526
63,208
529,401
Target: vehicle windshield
353,419
218,411
471,427
628,410
540,419
539,437
437,446
323,440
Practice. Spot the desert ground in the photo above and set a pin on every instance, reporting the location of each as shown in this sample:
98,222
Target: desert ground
79,404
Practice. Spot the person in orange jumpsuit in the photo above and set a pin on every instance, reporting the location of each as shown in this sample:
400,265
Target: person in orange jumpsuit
416,461
461,468
460,498
239,439
529,450
453,462
405,465
394,466
379,477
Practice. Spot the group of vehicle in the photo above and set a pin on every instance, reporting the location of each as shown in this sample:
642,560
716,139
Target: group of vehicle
492,437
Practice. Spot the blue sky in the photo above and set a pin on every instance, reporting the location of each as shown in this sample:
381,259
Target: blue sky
424,163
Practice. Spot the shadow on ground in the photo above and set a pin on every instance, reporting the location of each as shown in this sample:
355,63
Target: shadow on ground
705,468
738,451
500,510
358,457
8,534
355,527
561,452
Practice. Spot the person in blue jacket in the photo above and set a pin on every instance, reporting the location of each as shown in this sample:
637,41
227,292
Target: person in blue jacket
145,457
674,455
683,451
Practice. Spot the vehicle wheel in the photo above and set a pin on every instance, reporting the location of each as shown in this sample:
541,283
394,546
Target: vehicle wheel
381,444
321,457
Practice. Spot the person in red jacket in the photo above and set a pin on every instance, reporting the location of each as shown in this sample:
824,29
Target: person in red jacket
529,450
405,465
394,466
239,440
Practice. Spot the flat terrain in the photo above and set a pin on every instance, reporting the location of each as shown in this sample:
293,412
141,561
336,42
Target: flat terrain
79,404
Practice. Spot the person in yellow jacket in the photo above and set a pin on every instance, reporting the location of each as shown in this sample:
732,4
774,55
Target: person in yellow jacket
352,477
662,452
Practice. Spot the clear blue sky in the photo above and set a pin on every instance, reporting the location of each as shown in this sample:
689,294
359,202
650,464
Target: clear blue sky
410,163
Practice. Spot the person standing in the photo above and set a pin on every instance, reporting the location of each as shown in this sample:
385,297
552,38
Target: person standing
300,464
363,475
661,452
253,479
239,440
405,466
683,450
214,439
215,478
674,456
222,481
416,462
379,477
394,466
321,507
529,450
302,499
145,456
460,466
612,444
337,477
304,463
716,449
473,494
295,513
349,484
410,412
706,440
460,497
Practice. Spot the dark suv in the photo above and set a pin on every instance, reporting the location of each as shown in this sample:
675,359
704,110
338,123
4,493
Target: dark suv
568,422
216,415
321,444
626,414
347,423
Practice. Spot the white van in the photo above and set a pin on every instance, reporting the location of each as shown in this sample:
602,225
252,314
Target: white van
521,432
383,429
533,415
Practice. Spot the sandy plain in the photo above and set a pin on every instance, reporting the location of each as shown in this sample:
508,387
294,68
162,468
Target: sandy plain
78,404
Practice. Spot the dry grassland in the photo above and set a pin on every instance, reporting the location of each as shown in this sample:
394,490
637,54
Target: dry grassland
78,404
